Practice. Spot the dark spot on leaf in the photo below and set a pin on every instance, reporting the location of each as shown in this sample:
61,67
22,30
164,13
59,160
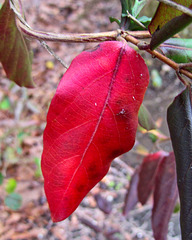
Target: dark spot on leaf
81,187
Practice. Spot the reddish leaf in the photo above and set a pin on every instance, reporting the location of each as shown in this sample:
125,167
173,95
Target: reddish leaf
103,204
165,196
15,54
92,119
131,198
147,175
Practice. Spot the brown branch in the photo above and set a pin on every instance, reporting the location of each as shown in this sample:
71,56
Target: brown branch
131,36
99,37
77,37
160,56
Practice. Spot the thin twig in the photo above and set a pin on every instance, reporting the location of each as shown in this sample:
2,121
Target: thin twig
130,36
177,6
21,20
135,20
73,37
160,56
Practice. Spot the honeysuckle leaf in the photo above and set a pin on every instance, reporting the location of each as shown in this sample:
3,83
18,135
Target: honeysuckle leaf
92,119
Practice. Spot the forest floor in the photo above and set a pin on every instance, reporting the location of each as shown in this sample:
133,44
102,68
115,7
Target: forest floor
23,119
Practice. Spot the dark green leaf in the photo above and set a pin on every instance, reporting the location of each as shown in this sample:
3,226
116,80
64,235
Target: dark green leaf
1,178
179,117
126,5
13,201
145,119
15,54
178,49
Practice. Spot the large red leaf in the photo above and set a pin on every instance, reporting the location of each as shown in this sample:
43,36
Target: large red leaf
92,119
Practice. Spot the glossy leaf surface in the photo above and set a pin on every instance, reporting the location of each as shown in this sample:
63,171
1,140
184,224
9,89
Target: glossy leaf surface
179,118
92,119
165,196
15,54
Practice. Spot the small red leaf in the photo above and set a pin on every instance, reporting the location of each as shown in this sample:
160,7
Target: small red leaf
92,119
131,198
165,196
103,204
147,175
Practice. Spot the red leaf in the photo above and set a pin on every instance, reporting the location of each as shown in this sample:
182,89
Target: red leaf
147,175
92,119
131,198
165,196
103,204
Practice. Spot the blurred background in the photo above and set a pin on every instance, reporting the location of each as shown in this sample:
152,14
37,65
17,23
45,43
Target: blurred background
24,212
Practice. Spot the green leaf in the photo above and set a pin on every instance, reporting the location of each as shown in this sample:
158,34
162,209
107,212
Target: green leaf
156,79
15,54
179,117
153,137
138,6
38,171
144,20
178,49
5,104
1,178
11,185
165,13
167,22
126,5
13,201
145,119
112,19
